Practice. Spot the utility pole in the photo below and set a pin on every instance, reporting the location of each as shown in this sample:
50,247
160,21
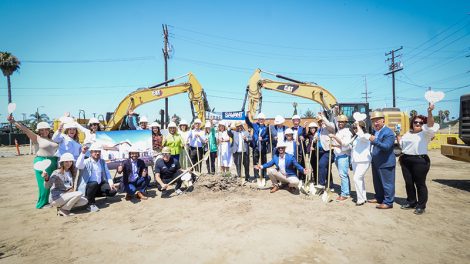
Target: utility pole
165,57
394,67
366,94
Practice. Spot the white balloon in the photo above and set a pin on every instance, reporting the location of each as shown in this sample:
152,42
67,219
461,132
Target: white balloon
434,97
42,165
11,108
359,116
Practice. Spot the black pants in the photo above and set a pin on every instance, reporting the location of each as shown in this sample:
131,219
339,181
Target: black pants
178,182
237,156
93,190
196,154
210,162
255,162
300,160
415,169
313,163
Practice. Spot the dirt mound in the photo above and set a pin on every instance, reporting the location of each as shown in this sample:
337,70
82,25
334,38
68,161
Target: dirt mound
218,183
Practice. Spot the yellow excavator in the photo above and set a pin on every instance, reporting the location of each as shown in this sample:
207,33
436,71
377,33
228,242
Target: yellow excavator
142,96
316,93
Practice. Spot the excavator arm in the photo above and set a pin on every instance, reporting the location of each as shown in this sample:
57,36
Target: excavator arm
305,90
154,93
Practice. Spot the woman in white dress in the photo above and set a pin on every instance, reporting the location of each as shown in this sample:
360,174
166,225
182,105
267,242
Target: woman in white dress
225,155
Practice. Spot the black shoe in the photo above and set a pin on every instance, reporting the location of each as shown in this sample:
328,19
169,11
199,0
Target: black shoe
419,211
407,206
359,204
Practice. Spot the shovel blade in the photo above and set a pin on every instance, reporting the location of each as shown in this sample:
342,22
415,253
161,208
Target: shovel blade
326,197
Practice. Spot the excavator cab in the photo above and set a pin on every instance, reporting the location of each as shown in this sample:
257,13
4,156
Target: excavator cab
348,109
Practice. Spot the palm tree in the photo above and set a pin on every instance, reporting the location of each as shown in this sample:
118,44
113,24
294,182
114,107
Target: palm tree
295,107
413,113
9,64
308,114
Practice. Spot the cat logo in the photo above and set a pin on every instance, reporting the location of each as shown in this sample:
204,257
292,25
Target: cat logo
157,93
290,88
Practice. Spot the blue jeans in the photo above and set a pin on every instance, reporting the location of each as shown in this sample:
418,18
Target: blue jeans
139,185
342,163
323,172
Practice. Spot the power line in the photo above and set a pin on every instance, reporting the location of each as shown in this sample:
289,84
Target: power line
394,67
145,58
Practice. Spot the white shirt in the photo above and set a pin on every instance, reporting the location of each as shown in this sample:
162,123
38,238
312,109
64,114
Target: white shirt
95,172
280,135
289,147
240,142
361,148
195,141
68,180
417,143
345,136
134,174
282,165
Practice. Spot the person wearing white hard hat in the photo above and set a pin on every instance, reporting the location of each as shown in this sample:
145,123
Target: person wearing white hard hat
285,171
89,131
157,138
299,137
225,154
45,149
291,145
240,146
311,149
174,141
211,146
342,149
184,156
277,131
94,179
167,170
62,186
259,142
68,141
196,139
135,175
143,123
325,128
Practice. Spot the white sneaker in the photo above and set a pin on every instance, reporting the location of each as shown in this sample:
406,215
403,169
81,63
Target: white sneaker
93,208
178,192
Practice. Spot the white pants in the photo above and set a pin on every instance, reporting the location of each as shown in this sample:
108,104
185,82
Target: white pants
360,169
276,177
69,200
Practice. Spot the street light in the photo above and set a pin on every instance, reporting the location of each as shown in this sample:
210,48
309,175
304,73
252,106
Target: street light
37,113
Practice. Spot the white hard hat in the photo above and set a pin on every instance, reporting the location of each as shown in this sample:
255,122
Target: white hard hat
95,147
66,157
279,120
296,117
134,149
289,131
155,124
172,124
43,125
184,122
222,123
93,121
313,124
70,125
281,144
197,121
260,116
208,125
143,119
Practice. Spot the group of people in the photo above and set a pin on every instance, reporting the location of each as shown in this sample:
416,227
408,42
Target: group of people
78,174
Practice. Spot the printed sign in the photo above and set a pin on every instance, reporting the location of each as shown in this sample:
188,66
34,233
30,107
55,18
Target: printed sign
237,115
116,145
290,88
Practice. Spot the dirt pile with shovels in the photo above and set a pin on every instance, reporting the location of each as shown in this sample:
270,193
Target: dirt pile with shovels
216,183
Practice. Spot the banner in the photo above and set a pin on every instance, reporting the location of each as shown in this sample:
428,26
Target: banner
116,145
236,115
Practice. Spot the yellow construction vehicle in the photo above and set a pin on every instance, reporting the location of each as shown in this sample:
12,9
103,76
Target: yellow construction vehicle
139,97
452,150
316,93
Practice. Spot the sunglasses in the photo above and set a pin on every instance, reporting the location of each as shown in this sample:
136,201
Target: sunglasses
418,122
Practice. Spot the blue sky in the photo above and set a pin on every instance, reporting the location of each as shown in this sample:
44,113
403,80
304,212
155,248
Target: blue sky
90,54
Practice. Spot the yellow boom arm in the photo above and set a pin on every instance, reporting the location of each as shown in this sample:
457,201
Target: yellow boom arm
143,96
305,90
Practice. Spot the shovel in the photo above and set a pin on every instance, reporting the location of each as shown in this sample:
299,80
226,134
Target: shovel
188,170
326,196
318,190
261,181
305,188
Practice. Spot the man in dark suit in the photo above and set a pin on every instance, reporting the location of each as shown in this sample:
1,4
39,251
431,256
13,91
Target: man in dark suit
135,175
259,141
383,162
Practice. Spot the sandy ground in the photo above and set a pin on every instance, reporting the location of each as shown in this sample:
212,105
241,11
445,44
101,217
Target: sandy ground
223,223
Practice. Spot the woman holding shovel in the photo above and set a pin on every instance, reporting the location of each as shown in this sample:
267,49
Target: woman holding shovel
225,154
45,150
211,145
